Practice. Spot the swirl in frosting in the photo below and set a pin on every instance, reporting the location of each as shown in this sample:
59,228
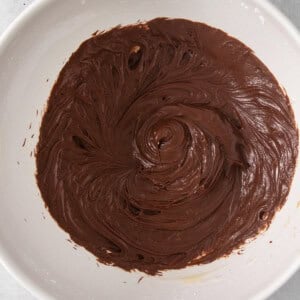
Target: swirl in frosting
165,144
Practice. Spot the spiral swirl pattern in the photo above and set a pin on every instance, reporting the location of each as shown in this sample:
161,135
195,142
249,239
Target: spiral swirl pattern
165,144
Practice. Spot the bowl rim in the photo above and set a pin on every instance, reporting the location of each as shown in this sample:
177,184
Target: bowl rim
16,270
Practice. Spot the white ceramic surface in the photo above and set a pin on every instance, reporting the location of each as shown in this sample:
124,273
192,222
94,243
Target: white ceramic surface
33,247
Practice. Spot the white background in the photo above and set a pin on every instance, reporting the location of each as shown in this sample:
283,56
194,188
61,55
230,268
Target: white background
9,288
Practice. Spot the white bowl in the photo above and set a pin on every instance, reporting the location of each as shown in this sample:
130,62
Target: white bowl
33,247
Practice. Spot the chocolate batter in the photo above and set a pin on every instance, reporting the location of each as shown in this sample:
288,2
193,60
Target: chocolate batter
165,144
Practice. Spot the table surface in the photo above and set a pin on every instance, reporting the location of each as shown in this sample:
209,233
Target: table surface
9,288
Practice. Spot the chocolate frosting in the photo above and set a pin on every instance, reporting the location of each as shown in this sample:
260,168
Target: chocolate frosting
165,144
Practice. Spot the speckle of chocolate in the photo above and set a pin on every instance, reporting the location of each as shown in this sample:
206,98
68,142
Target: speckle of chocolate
141,278
24,142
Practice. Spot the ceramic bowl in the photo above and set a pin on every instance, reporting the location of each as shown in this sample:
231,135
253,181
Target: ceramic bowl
33,247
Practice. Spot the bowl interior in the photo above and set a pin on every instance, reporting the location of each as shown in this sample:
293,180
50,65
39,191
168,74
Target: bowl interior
33,246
